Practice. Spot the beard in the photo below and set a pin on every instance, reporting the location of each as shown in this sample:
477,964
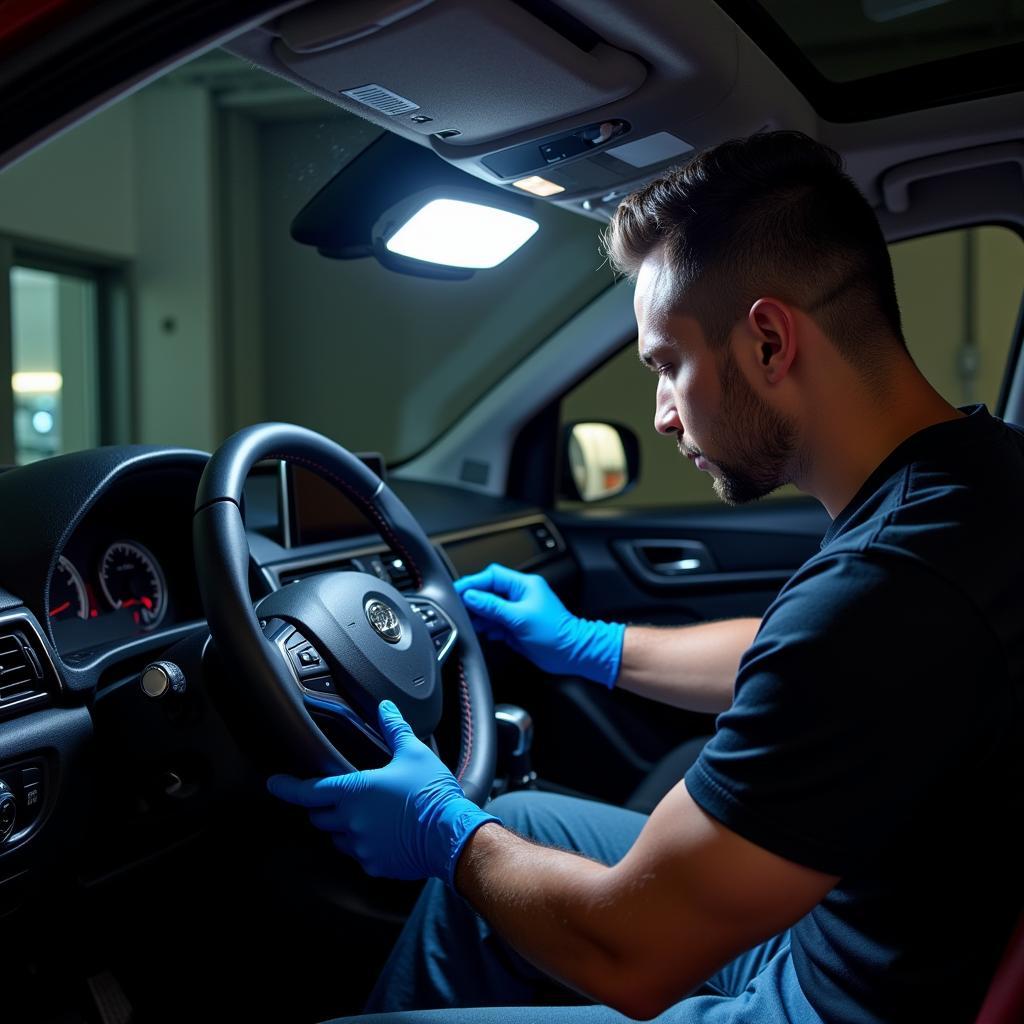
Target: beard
758,444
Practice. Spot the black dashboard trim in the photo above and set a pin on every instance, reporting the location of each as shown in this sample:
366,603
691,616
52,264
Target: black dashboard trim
93,660
324,555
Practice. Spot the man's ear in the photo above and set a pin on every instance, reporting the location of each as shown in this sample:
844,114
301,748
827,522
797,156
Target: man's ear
771,326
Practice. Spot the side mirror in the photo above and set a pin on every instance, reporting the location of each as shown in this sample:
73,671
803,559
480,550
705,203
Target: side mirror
599,460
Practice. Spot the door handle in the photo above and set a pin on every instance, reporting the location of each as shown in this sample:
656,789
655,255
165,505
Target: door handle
669,558
678,565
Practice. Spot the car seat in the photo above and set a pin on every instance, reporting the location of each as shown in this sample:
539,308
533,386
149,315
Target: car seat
1004,1003
665,774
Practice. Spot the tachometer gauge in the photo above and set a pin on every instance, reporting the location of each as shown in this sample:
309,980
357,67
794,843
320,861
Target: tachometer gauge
68,597
132,579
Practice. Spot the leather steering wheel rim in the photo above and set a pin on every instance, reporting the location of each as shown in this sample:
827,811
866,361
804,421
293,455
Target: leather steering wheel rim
274,694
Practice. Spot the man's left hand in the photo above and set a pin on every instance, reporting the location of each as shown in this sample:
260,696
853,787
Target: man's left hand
409,819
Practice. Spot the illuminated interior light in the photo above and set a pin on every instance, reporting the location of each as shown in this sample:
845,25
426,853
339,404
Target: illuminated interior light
538,186
460,234
32,382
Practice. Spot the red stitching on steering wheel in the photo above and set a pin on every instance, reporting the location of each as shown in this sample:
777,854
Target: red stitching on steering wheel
368,507
467,725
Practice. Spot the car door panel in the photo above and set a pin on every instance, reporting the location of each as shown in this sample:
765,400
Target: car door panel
604,742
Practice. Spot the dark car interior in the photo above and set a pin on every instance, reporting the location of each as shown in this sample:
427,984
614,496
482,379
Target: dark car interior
160,651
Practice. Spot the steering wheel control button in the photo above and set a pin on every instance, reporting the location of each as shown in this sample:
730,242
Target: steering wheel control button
305,660
439,626
161,678
384,620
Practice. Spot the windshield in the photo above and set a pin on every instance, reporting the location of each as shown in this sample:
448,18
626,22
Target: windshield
173,210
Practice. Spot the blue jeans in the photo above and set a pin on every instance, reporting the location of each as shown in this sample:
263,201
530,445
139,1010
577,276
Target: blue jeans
448,964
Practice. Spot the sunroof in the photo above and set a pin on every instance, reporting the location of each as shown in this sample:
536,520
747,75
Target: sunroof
860,59
847,40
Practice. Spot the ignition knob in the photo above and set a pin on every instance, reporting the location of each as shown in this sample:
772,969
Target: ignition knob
8,811
160,678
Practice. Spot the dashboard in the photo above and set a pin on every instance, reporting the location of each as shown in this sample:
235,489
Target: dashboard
98,580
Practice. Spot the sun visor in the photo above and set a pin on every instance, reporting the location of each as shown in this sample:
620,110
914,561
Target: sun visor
411,62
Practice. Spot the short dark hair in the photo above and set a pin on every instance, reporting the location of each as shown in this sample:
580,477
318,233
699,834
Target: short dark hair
772,214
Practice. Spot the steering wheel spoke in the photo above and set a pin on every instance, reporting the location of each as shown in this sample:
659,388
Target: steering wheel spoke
332,706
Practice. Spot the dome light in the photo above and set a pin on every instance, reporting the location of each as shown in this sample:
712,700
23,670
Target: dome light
456,233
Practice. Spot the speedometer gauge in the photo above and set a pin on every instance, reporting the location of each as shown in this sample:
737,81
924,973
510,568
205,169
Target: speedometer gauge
132,579
68,597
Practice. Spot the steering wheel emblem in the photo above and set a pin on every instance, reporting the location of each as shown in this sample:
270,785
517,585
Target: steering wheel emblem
383,619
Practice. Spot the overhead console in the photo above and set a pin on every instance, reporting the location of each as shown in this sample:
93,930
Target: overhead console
429,52
577,101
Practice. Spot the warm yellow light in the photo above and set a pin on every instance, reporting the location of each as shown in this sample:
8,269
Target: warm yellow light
538,186
36,382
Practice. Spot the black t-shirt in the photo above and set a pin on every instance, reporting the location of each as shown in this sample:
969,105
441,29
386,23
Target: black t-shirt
877,731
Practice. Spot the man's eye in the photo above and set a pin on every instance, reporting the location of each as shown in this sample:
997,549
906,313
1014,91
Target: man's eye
665,370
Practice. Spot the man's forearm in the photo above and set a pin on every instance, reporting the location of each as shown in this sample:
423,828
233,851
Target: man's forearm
551,906
690,667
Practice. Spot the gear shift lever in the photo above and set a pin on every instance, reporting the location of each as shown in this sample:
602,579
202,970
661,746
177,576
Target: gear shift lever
515,737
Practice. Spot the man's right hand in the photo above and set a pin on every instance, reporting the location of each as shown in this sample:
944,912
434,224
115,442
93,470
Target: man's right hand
523,611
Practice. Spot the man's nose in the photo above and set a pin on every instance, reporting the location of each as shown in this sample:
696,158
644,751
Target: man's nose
666,417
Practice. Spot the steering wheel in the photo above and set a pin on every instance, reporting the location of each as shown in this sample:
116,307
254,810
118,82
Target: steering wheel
336,644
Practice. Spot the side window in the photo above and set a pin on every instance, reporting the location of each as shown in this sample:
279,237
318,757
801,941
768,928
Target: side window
960,296
54,326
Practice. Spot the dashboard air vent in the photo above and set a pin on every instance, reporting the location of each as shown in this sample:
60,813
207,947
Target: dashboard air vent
21,675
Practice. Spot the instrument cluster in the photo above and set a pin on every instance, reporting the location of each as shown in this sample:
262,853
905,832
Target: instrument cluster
128,578
127,570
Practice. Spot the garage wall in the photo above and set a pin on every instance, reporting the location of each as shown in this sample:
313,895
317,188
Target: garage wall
136,184
176,268
78,190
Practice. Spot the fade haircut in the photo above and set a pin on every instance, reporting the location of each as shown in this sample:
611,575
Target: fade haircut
771,215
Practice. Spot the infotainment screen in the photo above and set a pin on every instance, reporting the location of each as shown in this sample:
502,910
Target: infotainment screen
294,506
263,501
318,511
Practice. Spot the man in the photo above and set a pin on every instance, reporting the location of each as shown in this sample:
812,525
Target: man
841,850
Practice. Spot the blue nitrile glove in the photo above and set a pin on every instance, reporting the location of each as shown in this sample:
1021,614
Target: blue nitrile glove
522,610
409,819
